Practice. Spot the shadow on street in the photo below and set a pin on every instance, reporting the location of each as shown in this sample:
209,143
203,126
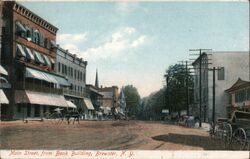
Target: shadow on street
191,140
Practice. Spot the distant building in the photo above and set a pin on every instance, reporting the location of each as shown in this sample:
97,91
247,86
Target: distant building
95,96
110,97
239,96
233,65
28,54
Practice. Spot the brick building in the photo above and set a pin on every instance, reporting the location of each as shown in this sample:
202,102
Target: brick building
110,98
28,53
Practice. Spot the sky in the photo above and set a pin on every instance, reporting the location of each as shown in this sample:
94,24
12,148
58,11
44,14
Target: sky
133,43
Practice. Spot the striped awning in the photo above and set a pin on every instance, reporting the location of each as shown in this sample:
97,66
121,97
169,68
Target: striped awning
88,104
71,104
20,51
40,98
20,27
29,54
3,71
38,57
3,98
32,73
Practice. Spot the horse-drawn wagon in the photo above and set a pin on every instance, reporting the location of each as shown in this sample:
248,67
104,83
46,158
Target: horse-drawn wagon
234,132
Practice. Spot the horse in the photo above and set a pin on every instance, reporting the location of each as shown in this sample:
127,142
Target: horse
72,114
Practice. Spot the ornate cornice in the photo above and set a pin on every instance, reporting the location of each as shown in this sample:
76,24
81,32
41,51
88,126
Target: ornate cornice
34,18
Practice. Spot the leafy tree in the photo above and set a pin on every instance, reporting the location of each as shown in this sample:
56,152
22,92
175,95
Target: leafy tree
176,87
153,105
132,100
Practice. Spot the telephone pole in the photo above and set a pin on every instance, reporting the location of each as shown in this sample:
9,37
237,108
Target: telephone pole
200,79
213,110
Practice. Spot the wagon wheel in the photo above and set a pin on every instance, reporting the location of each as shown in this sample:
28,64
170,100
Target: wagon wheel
55,118
212,130
216,131
227,134
239,138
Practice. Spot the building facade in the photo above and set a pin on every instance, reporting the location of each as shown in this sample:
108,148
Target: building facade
239,96
95,96
231,66
74,69
28,53
110,98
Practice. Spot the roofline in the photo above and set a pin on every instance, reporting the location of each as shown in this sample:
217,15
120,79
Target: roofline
70,54
246,84
51,25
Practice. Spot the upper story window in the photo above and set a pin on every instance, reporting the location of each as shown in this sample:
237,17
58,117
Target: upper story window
221,73
31,34
20,29
59,67
241,96
248,93
28,34
71,70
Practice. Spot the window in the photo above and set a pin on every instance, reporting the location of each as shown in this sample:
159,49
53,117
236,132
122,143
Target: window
80,75
248,94
241,96
62,68
45,42
44,109
19,106
65,69
71,72
20,29
59,67
75,74
230,98
221,73
28,33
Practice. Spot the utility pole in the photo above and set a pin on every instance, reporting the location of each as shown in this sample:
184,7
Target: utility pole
213,111
186,74
200,88
187,91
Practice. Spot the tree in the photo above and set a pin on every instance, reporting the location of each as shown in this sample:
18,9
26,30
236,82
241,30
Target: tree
132,100
153,105
176,87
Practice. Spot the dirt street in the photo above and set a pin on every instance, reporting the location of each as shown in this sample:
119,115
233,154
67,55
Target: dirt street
105,135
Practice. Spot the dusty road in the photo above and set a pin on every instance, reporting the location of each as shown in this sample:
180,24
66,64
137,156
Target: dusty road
105,135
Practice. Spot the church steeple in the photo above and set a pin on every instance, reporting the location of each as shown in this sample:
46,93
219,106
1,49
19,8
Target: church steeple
96,79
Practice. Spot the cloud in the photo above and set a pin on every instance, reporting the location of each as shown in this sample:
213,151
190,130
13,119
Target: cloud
138,41
126,7
64,39
120,42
